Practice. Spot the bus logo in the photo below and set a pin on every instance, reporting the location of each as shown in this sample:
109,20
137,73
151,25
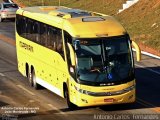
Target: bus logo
26,46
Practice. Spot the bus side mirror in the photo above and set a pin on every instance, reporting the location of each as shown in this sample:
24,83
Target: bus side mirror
138,51
72,55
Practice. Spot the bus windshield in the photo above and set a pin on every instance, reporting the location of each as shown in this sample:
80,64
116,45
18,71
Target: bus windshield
103,60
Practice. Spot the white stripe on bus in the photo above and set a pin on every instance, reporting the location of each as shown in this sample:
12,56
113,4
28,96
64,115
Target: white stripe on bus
48,86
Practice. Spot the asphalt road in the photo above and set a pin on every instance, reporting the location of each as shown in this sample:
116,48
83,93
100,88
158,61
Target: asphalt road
16,94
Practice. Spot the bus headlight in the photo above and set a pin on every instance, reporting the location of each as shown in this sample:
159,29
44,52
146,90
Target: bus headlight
81,91
129,88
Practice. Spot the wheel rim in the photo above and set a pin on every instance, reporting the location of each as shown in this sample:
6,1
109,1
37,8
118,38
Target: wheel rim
34,80
70,105
30,78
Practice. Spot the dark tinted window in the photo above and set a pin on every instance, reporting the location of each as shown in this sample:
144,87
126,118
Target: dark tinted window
35,33
22,25
10,6
43,34
29,29
51,38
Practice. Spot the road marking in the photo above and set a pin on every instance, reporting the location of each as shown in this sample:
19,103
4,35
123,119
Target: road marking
149,69
54,108
1,74
155,109
147,104
20,86
7,39
148,54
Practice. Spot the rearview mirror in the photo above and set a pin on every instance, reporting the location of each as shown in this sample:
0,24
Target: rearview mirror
72,55
138,51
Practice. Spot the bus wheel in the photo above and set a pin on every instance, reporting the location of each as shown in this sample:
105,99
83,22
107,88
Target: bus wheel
35,85
30,78
70,105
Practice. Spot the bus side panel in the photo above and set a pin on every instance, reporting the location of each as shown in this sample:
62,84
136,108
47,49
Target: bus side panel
50,68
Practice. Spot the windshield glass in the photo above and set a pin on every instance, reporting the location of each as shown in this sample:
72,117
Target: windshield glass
103,60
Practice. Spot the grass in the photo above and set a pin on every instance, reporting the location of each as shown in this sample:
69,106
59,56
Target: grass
142,21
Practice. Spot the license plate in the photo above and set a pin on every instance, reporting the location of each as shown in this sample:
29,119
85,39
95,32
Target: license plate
109,100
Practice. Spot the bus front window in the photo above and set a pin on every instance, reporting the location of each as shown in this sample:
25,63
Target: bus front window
104,60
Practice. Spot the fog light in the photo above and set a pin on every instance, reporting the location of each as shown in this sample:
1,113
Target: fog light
130,97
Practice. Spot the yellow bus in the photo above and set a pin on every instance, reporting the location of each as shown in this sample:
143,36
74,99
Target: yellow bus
85,57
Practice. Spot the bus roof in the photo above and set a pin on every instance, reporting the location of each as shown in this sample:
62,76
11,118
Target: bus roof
79,23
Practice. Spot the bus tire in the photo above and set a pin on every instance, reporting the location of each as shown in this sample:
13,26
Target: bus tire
35,85
30,78
71,106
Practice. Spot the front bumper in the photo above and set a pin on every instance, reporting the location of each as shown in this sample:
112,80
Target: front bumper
6,16
82,100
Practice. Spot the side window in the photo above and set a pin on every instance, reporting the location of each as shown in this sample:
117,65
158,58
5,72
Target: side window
0,6
59,40
51,38
43,34
23,27
48,37
29,30
67,37
54,40
35,33
18,22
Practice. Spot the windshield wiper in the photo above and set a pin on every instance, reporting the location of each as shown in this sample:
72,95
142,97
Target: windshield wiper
103,57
